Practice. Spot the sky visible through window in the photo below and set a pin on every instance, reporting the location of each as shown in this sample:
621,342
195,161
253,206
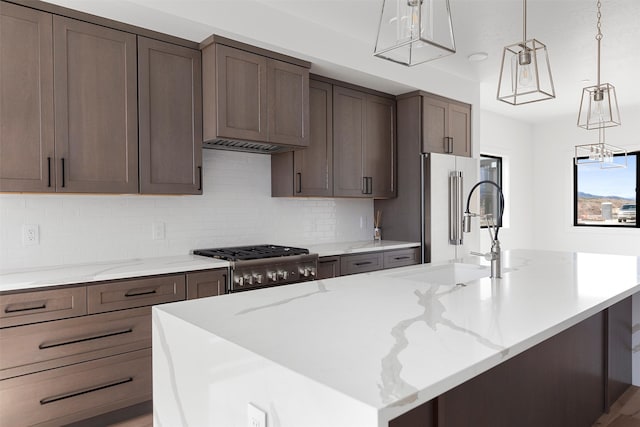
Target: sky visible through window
620,182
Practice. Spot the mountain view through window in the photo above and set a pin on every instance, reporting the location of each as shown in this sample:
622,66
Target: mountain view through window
606,197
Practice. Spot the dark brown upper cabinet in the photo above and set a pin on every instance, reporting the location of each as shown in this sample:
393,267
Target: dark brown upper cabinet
363,144
309,172
446,125
96,115
250,94
27,161
170,118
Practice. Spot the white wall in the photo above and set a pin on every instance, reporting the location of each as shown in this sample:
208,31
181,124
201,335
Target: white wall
235,209
511,140
553,190
553,186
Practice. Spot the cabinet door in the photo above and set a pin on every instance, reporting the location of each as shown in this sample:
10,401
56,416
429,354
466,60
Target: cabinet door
206,283
348,142
460,129
435,125
26,100
96,120
27,307
380,146
170,118
313,166
241,94
288,103
328,267
401,257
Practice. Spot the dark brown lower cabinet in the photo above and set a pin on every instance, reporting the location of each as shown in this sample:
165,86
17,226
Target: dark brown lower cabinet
82,353
328,267
564,381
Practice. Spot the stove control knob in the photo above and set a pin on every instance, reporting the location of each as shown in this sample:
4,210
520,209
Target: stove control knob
285,275
312,271
239,280
257,278
248,279
272,275
303,272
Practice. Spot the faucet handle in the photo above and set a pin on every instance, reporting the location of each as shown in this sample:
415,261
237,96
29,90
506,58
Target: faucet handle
489,256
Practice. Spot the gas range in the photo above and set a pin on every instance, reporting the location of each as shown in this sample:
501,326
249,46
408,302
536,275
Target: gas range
262,266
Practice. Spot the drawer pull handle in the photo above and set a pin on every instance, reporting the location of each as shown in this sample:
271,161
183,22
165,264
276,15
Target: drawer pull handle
362,263
398,258
85,391
83,339
36,306
138,292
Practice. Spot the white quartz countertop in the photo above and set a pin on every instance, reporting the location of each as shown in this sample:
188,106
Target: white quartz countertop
394,339
38,277
343,248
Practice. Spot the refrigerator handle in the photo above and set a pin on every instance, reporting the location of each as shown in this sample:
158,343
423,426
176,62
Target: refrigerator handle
455,208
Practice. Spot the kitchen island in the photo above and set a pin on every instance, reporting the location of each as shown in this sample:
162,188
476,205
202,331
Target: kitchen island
363,350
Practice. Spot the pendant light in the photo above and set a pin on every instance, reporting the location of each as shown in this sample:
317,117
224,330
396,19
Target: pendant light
599,104
411,32
525,75
600,154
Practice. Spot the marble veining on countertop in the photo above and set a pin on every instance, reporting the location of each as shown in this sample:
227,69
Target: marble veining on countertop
38,277
394,339
344,248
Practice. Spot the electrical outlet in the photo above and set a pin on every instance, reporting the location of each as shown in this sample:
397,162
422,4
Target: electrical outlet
256,417
30,235
158,231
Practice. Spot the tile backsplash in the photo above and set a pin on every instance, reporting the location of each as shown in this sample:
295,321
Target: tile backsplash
235,209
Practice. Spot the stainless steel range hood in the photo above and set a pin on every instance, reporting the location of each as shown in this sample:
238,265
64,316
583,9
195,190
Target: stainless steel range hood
246,146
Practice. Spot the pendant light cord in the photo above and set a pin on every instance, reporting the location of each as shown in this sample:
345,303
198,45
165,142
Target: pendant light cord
599,37
524,22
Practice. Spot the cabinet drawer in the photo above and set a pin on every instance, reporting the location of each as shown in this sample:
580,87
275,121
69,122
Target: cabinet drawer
135,293
40,306
59,396
32,348
352,264
401,257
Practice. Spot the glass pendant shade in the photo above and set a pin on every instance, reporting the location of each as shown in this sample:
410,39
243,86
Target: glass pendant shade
599,107
525,75
600,154
414,31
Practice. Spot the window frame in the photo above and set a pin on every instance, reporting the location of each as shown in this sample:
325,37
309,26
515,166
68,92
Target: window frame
500,176
636,154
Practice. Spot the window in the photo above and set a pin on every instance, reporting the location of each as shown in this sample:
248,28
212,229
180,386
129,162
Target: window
491,170
606,197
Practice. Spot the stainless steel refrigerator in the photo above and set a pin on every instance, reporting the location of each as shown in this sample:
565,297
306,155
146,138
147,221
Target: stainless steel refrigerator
432,195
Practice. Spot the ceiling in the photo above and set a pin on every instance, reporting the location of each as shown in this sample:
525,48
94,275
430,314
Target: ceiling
338,37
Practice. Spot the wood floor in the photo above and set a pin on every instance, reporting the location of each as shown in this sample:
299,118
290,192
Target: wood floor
625,412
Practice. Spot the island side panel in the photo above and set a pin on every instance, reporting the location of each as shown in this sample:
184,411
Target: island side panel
558,383
619,338
202,380
636,340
